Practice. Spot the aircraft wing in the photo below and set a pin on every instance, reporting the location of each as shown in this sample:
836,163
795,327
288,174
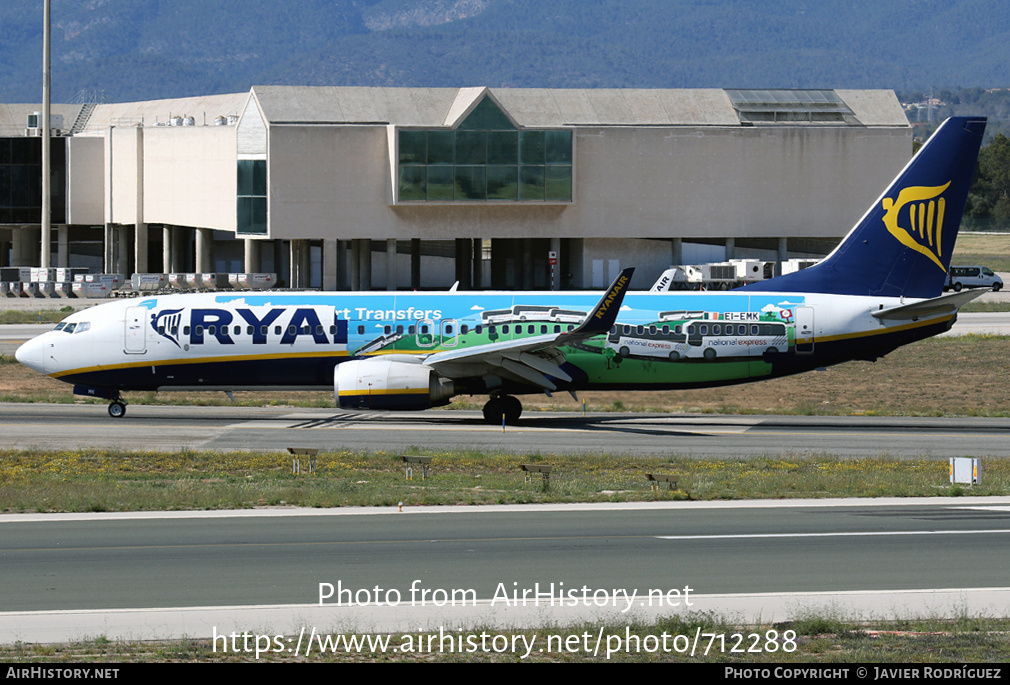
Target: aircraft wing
533,359
936,306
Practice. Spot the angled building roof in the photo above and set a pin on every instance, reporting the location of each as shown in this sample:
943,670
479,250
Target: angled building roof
537,107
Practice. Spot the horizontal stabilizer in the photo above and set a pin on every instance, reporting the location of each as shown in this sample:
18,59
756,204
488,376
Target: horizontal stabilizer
937,306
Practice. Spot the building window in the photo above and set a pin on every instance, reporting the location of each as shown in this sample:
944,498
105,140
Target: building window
485,159
252,197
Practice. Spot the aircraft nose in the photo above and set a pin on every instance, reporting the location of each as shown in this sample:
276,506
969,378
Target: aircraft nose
31,354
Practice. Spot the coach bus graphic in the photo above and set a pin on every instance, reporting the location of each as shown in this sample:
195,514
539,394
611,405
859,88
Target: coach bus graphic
720,339
659,340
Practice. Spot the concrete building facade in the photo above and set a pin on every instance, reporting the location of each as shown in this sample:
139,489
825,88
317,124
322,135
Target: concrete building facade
361,188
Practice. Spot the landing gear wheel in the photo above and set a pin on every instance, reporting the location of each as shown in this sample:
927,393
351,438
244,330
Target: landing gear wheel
493,410
512,409
117,409
505,408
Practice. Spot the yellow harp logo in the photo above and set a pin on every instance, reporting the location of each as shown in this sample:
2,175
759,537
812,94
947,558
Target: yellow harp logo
925,220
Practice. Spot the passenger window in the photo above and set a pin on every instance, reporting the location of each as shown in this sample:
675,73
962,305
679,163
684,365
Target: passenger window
386,330
277,330
410,330
361,330
543,328
399,330
462,329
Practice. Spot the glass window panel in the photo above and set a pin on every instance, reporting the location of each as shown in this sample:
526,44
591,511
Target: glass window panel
259,177
559,183
413,147
245,177
470,183
559,147
471,147
531,147
412,182
440,183
531,183
487,117
440,147
503,147
503,183
5,186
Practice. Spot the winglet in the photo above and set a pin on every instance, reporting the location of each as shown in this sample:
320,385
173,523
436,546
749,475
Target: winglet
605,312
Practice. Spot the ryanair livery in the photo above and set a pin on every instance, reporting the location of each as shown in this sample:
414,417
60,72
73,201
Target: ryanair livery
880,288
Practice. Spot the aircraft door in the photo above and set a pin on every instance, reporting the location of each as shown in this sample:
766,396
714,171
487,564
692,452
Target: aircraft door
134,338
450,332
804,330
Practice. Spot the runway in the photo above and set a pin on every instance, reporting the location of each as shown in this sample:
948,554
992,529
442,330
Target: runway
159,574
168,428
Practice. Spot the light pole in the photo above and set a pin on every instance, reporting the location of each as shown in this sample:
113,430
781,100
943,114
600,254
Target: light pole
46,165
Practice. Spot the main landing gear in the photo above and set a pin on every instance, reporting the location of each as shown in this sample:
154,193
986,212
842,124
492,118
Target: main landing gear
502,409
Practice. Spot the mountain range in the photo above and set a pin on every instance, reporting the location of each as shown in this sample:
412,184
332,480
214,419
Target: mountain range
122,50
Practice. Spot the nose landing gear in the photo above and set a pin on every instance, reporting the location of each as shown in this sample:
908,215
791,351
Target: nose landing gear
117,408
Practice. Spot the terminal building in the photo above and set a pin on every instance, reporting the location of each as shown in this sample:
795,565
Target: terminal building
406,188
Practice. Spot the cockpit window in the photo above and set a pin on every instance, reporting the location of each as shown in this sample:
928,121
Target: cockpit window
60,325
83,326
69,328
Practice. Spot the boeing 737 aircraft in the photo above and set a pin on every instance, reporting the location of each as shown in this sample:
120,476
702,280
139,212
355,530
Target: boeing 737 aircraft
881,288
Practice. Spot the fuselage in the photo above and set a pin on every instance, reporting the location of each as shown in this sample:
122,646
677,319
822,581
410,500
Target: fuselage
293,340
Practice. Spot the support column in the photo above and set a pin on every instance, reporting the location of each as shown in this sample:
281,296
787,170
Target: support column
166,249
141,248
677,252
294,259
355,283
783,255
123,252
109,261
63,246
252,259
390,264
366,263
343,282
462,262
477,265
730,248
415,263
331,264
204,250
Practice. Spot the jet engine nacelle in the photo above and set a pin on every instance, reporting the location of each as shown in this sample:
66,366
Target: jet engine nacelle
389,384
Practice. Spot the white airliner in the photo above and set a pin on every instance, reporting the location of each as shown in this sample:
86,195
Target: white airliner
882,287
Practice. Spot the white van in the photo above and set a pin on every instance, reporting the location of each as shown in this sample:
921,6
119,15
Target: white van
972,277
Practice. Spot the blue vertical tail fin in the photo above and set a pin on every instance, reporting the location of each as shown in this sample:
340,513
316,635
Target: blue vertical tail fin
903,243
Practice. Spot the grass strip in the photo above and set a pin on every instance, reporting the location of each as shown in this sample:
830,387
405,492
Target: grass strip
810,637
100,480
